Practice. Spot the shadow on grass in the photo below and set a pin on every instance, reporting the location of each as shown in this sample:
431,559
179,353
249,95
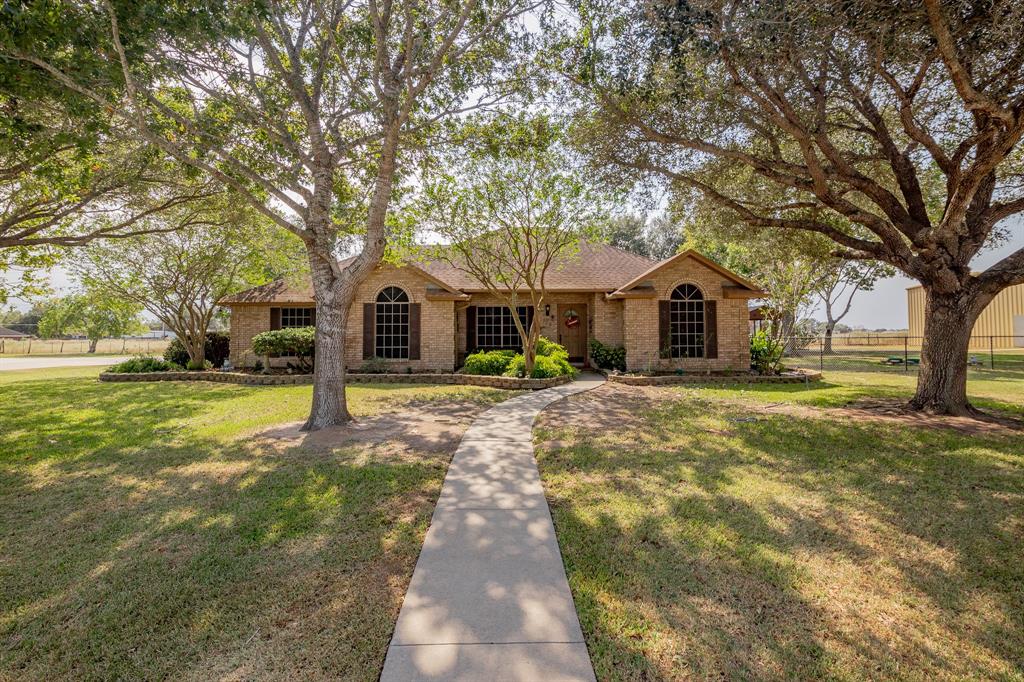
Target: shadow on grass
135,549
701,545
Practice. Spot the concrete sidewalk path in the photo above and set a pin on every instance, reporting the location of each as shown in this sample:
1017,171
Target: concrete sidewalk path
489,600
47,361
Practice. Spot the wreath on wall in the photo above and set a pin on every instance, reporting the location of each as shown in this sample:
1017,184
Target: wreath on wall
572,318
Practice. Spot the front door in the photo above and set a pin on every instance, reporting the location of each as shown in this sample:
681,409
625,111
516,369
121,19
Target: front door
572,329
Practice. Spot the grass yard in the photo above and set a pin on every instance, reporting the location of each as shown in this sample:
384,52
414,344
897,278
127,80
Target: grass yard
147,534
775,532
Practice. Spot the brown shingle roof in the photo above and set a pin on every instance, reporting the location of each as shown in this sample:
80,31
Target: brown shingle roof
594,267
280,291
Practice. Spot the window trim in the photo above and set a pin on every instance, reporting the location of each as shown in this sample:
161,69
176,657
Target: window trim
687,333
391,337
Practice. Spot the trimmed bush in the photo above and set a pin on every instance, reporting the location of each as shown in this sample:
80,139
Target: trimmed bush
552,361
544,367
296,342
142,364
488,363
765,353
608,357
217,349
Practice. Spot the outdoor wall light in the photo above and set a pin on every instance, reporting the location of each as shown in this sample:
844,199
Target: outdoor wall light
547,310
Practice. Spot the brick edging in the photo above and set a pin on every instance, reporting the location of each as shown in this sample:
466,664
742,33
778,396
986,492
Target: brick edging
298,379
673,379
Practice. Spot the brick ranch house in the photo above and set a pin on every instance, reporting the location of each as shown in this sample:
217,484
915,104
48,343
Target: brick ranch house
684,312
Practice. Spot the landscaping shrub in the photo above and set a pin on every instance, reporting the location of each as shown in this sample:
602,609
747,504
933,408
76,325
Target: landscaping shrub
608,357
218,347
142,364
552,361
765,353
489,363
294,341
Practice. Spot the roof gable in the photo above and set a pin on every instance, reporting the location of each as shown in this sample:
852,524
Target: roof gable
703,260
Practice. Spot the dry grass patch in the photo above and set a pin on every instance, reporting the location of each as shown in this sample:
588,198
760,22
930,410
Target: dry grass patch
707,537
150,532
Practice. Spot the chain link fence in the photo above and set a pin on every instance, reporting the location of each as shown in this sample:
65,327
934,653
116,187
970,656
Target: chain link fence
896,353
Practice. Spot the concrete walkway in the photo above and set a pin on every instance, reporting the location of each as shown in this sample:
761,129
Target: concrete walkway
489,599
47,361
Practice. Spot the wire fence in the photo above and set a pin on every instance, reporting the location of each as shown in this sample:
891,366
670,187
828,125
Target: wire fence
894,353
125,346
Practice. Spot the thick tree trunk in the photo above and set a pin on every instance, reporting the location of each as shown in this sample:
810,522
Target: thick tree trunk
829,328
942,380
333,298
92,345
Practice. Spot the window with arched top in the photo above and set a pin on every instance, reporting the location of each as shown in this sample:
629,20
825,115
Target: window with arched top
687,323
392,324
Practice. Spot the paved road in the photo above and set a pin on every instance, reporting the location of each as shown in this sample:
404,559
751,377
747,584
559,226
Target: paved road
44,362
489,599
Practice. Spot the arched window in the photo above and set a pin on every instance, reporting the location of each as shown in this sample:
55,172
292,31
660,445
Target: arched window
686,310
392,322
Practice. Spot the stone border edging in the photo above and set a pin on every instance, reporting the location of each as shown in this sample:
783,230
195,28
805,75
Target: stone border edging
802,377
301,379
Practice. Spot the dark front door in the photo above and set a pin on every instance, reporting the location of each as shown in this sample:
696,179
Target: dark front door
572,329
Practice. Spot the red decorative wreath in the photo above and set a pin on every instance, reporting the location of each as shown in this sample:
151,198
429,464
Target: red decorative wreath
572,318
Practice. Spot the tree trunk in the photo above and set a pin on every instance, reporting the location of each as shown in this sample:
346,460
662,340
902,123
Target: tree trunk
530,347
829,328
333,298
92,345
942,380
196,347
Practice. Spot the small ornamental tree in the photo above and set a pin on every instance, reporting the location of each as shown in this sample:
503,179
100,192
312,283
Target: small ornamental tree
95,314
179,276
509,208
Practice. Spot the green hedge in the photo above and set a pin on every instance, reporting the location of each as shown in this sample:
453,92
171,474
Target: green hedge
217,349
294,341
608,357
142,364
489,363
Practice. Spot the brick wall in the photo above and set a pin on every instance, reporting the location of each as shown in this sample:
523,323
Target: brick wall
632,323
640,322
437,341
608,317
246,322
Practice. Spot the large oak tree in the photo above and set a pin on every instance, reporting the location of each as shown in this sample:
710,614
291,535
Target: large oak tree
309,109
891,128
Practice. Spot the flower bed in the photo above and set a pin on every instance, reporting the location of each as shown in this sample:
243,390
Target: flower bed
790,377
293,379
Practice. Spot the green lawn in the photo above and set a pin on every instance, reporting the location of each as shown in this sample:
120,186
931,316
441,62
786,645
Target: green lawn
714,533
147,535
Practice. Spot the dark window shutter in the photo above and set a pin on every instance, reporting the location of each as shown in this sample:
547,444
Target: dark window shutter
471,329
414,331
275,318
312,317
369,318
711,329
665,327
